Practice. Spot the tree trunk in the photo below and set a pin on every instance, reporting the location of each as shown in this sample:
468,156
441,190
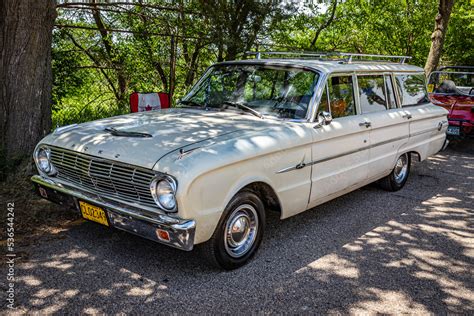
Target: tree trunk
25,74
172,81
437,38
324,25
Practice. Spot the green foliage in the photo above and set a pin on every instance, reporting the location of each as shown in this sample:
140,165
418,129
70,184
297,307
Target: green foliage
95,72
459,44
394,27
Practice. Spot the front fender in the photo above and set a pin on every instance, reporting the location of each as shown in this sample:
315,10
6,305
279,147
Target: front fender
208,196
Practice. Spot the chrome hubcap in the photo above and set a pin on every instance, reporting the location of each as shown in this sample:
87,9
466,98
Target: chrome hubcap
401,168
241,230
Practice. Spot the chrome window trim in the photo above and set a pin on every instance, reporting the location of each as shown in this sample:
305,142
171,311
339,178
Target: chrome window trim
355,83
395,91
316,99
387,76
392,74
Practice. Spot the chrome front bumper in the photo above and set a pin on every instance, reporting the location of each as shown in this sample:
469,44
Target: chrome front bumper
141,223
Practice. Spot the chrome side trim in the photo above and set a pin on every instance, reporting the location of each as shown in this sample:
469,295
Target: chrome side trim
303,164
389,141
424,131
286,169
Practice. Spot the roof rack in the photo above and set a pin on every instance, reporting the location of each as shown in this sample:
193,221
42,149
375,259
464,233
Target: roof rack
346,57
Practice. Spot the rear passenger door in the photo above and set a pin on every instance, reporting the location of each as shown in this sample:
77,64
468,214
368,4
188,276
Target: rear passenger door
389,127
340,150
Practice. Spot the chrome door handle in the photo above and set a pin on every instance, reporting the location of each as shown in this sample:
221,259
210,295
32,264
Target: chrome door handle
366,124
441,124
407,116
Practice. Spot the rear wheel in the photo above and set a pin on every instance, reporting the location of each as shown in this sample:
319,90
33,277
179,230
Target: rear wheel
239,232
399,175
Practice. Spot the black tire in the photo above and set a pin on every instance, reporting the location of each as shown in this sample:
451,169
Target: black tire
394,182
218,249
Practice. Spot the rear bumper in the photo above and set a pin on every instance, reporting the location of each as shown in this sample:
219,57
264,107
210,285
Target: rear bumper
460,122
181,231
466,127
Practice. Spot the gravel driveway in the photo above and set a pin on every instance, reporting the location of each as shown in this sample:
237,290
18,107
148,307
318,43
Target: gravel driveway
411,251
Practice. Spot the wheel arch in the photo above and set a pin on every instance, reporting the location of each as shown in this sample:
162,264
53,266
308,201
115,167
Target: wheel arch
262,188
415,156
266,193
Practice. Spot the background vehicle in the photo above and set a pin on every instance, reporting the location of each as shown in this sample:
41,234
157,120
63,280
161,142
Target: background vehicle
453,88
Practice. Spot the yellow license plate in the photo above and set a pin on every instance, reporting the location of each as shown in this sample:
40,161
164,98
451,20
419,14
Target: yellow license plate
93,213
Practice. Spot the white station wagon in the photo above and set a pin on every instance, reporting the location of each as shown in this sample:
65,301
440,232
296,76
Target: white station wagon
252,136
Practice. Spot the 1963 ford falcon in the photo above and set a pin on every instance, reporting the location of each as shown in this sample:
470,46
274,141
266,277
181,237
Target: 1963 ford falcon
252,136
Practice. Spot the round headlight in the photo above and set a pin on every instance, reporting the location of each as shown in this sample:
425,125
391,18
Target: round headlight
163,191
43,162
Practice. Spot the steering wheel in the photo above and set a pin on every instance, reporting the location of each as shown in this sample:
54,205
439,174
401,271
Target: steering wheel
470,91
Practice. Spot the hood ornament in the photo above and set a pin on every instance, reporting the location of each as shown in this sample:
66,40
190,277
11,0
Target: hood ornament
183,153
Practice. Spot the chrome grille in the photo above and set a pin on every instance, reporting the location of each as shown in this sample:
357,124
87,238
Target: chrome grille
104,177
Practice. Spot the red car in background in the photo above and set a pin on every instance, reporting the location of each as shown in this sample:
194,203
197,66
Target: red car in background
453,88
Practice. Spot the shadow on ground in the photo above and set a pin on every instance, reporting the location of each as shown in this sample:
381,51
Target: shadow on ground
369,251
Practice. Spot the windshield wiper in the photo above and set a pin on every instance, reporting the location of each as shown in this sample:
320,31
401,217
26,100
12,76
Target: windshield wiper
243,107
117,132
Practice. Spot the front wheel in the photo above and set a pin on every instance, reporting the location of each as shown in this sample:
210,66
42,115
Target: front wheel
239,232
399,175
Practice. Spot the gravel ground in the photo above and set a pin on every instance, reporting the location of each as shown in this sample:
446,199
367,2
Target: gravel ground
370,251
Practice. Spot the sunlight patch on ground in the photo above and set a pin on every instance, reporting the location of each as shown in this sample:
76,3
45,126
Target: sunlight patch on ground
333,264
385,302
412,247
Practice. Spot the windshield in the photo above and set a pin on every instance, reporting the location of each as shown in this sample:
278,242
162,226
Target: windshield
279,91
451,82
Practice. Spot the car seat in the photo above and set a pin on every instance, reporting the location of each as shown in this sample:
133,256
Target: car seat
338,108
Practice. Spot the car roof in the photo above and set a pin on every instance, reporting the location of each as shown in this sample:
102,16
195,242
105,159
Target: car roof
332,66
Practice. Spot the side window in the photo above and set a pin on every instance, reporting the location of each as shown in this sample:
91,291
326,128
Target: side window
411,89
391,102
372,93
341,96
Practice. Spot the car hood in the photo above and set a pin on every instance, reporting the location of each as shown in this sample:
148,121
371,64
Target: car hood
170,129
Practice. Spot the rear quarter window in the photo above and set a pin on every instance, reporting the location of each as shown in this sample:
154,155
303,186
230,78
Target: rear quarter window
411,89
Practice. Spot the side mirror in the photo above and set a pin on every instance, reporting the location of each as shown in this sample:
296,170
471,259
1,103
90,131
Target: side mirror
324,118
